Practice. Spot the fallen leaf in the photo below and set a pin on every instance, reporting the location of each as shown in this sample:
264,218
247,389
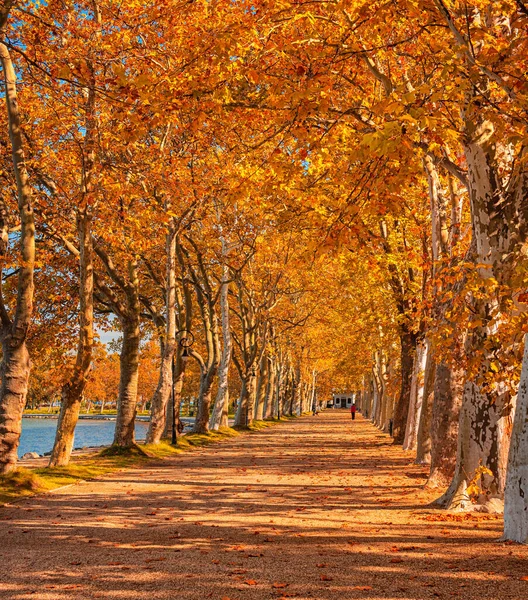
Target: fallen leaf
279,585
363,588
149,560
250,582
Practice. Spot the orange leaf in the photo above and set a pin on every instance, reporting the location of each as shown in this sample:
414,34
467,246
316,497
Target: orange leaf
363,588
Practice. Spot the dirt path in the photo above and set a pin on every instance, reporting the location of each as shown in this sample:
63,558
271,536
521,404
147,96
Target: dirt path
318,508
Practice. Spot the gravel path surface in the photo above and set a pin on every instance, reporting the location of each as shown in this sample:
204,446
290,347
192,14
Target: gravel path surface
316,508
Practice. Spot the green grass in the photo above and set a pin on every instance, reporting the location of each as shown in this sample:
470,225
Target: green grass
189,442
25,482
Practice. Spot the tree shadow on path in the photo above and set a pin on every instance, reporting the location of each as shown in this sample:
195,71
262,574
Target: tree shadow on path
318,508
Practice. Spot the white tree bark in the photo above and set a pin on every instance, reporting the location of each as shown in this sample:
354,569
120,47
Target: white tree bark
417,394
219,418
375,398
479,438
516,489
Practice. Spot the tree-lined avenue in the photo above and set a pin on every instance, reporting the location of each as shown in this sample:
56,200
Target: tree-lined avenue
317,508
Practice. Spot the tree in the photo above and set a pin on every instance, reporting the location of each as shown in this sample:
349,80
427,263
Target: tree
13,332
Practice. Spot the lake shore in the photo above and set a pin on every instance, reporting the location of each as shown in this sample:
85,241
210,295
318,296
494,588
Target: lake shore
94,417
38,434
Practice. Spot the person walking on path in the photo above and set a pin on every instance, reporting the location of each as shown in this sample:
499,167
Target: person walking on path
353,411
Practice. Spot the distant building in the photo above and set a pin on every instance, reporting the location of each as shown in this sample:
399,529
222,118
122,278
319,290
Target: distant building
341,400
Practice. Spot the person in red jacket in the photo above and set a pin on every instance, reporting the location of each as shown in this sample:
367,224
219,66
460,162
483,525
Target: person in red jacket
353,411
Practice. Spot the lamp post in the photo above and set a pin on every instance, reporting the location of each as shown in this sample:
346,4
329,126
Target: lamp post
186,341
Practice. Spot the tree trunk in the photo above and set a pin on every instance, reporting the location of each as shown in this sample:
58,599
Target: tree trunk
208,368
246,404
499,218
16,365
291,387
401,410
516,489
385,403
376,399
417,395
179,376
219,418
240,415
73,390
447,400
423,441
297,392
162,395
15,376
201,423
128,383
278,393
261,388
479,440
270,389
441,420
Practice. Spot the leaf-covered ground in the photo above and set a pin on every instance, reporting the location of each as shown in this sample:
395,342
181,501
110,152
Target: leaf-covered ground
317,508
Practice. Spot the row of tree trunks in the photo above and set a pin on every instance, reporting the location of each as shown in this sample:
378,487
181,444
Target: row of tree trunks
276,390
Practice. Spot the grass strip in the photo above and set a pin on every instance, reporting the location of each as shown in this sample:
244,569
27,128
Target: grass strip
24,482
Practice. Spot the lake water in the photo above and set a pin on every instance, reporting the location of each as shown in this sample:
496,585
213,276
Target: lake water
38,435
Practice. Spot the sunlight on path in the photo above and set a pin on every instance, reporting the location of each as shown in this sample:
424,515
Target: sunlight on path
317,508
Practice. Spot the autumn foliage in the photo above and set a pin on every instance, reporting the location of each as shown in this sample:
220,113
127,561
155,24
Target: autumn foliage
328,196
